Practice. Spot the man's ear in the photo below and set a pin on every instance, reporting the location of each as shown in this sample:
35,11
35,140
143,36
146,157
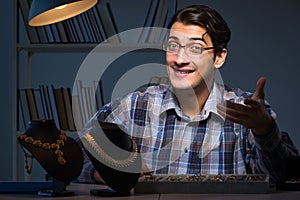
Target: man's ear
220,58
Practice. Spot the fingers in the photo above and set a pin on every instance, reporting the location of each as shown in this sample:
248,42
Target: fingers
259,92
234,111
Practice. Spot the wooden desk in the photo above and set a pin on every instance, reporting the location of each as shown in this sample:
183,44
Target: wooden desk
82,192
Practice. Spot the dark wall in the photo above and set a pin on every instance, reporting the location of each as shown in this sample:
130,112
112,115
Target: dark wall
265,42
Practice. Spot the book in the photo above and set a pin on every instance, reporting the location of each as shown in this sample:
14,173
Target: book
77,116
94,27
39,104
52,101
24,107
99,96
90,27
68,108
159,21
107,19
31,103
31,31
44,101
148,21
62,32
60,105
171,11
83,28
55,32
78,29
49,34
42,34
99,24
81,110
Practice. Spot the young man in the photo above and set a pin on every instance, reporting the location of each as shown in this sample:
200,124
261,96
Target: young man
196,125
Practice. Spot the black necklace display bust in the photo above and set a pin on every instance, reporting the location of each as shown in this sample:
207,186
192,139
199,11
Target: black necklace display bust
59,155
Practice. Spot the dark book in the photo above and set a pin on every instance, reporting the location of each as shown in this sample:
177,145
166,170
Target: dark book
62,32
83,28
24,107
90,27
171,11
45,102
148,21
42,34
99,24
68,108
31,31
107,19
55,32
39,104
78,30
49,34
159,21
99,94
52,101
94,25
60,105
31,104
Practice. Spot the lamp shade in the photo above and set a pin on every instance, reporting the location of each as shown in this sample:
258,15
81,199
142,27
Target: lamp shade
44,12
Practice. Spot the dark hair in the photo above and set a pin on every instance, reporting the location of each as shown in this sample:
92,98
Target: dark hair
207,18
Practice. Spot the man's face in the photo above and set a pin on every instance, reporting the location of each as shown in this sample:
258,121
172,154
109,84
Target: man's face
187,68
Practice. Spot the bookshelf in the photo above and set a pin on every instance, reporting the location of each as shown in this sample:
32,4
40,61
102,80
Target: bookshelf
74,40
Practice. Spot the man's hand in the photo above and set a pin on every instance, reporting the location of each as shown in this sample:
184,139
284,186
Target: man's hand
253,114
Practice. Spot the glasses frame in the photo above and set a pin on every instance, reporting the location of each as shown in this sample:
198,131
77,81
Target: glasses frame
165,48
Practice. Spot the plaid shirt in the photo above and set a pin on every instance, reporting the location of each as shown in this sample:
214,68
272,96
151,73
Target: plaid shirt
172,143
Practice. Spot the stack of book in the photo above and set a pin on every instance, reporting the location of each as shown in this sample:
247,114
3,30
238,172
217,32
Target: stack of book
49,102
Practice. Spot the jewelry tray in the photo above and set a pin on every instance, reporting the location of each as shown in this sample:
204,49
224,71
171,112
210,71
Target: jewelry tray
194,183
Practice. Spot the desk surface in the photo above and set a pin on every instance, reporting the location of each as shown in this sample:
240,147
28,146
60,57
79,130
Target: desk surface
82,192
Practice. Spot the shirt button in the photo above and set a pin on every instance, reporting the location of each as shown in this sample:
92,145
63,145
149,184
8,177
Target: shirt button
186,150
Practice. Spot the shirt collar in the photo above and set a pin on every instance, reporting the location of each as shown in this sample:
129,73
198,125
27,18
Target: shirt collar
215,97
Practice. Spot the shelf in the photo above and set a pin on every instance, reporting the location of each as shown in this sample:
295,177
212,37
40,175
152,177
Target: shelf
87,47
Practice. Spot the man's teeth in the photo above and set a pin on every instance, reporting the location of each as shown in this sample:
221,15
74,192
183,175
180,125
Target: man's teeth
184,72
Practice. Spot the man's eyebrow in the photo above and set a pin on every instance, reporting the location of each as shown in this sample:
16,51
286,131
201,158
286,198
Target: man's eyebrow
193,38
198,38
173,37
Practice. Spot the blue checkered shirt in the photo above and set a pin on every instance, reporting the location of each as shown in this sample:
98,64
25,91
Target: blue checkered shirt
172,143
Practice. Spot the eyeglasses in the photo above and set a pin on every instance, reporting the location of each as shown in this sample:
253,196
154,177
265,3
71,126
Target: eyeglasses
192,49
